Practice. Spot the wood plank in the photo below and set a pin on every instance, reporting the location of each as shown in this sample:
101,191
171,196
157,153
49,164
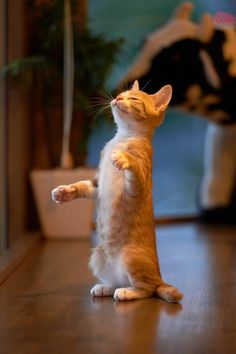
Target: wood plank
45,305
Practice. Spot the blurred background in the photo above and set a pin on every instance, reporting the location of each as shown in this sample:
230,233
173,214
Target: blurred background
106,37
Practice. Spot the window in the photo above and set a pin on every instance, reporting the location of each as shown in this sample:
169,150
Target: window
13,128
3,166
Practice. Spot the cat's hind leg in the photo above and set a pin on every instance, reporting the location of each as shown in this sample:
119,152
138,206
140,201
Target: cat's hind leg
102,271
137,275
165,292
145,279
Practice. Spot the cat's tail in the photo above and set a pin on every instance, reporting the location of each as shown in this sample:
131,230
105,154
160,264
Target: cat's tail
168,293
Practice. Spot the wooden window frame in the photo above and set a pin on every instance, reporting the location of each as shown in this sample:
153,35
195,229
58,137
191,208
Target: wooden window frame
3,132
15,239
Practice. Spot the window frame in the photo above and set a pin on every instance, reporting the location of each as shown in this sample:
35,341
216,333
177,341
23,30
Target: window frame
3,132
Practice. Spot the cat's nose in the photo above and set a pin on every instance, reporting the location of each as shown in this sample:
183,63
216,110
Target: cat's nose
119,98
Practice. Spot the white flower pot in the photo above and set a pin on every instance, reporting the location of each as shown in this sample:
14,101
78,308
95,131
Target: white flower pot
70,220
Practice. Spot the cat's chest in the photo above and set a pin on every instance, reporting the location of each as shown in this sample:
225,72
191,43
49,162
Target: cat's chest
110,178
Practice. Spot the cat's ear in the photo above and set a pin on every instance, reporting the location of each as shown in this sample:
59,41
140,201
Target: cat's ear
135,86
162,98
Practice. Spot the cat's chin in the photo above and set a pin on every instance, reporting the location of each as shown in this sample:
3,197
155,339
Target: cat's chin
121,108
118,110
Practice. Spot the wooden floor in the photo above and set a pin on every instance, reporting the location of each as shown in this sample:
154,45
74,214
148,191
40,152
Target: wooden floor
45,306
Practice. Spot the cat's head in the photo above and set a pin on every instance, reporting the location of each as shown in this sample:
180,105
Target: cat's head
139,108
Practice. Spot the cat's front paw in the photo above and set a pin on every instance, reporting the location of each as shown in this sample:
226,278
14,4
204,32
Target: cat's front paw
120,160
102,290
64,194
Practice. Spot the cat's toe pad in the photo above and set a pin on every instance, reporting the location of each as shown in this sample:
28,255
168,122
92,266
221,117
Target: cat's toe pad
102,290
63,194
120,160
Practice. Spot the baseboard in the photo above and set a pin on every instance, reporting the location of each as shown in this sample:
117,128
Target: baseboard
176,219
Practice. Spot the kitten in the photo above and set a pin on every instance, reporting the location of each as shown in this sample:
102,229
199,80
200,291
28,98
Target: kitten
125,260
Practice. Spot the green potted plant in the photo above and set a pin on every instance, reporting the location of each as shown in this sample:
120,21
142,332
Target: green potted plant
65,67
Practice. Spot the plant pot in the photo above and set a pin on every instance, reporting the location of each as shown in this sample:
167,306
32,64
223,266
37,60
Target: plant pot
70,220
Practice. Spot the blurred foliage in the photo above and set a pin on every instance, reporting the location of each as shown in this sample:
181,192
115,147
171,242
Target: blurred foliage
94,58
94,55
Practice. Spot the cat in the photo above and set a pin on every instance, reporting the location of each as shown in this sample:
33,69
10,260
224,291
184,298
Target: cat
125,259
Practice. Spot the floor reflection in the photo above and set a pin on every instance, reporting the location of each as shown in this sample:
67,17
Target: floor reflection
139,319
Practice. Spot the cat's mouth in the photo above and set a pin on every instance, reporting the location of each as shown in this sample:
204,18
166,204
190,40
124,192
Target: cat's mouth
122,108
119,104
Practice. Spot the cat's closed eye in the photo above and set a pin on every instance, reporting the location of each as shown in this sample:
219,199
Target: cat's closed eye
134,98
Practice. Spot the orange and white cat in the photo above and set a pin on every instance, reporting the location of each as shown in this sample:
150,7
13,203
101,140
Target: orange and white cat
125,259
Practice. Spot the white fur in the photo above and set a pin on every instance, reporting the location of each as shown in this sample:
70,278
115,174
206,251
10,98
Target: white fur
113,273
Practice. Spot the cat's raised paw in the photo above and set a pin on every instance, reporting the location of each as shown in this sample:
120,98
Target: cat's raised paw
120,160
102,290
64,194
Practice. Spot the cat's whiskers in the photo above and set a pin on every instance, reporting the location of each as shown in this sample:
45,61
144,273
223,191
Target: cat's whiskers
108,94
105,94
101,102
98,106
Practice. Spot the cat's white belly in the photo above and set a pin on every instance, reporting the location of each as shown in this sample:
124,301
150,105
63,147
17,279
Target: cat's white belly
114,274
111,181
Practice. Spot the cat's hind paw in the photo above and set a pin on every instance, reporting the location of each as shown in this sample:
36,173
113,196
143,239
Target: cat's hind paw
120,160
102,290
64,194
127,294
